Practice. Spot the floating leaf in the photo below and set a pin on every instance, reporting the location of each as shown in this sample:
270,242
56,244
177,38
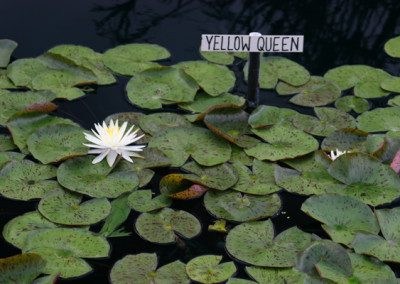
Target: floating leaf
163,85
239,281
387,150
223,58
202,145
213,79
21,268
5,82
131,59
208,269
368,269
395,101
142,201
24,180
349,103
7,47
23,71
275,275
80,175
392,47
6,157
350,139
154,123
64,207
161,226
379,119
133,120
269,115
141,268
389,221
179,187
6,143
318,91
239,155
391,84
50,279
119,213
219,226
369,244
238,207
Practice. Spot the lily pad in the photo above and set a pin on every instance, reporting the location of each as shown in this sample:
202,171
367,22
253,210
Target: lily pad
369,269
133,120
179,187
259,181
5,82
387,150
163,85
6,157
391,84
239,207
342,216
212,78
284,142
348,103
275,275
350,139
162,226
7,47
156,122
392,47
364,178
23,71
21,268
208,269
80,175
141,268
379,119
57,142
254,243
143,201
223,58
394,102
366,80
373,245
202,145
239,155
318,91
269,115
329,120
24,180
64,207
152,158
389,221
231,124
131,59
274,68
6,143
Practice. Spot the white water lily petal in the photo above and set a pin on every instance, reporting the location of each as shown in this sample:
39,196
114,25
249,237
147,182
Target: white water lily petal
100,157
111,158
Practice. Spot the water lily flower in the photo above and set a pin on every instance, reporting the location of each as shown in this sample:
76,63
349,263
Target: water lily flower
333,156
111,141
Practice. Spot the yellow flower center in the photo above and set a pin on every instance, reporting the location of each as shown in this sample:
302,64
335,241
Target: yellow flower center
112,130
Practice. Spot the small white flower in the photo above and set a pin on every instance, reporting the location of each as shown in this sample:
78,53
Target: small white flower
333,156
111,141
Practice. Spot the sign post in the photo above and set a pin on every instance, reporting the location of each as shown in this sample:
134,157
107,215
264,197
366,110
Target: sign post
254,43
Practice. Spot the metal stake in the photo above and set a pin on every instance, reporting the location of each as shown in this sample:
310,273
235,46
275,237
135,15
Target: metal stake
253,93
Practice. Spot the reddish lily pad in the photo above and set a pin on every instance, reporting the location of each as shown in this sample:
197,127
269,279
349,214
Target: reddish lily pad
348,103
269,115
21,268
179,187
7,47
208,269
154,123
143,201
379,119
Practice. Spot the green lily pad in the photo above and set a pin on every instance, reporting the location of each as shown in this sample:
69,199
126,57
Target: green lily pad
273,68
208,269
63,207
308,176
57,142
348,103
373,245
179,187
259,181
133,120
379,119
392,47
86,57
329,120
5,82
24,180
364,178
239,281
368,269
143,201
163,85
231,124
23,71
366,80
269,115
21,268
6,157
49,279
80,175
284,142
391,84
6,143
387,150
342,216
156,122
239,155
239,207
205,147
389,221
223,58
141,268
131,59
162,226
275,275
254,243
7,47
394,102
212,78
318,91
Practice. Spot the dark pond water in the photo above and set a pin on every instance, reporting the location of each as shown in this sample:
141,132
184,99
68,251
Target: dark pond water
336,33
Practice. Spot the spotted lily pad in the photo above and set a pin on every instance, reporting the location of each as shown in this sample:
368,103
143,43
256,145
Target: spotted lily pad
239,155
364,178
389,221
223,58
259,181
21,268
318,91
203,102
349,103
273,68
239,207
269,115
366,80
64,207
6,143
162,226
80,175
24,180
212,78
179,187
370,269
133,120
379,119
284,142
329,120
163,85
202,145
143,201
23,71
154,123
254,243
392,47
388,150
342,216
131,59
231,124
141,268
5,82
208,269
6,157
275,275
7,47
377,246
